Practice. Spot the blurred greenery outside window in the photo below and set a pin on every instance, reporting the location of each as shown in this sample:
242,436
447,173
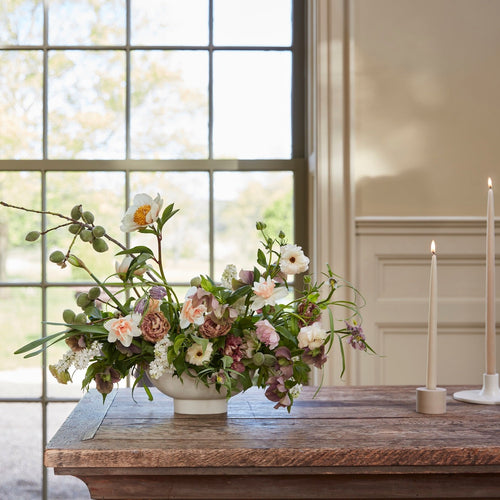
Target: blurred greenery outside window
201,101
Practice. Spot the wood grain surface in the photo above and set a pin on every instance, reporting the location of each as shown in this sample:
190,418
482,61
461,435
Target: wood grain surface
345,441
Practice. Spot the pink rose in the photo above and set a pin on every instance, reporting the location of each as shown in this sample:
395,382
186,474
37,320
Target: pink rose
267,334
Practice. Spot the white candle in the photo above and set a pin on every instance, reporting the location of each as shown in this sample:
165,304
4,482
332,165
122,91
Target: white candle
490,284
432,324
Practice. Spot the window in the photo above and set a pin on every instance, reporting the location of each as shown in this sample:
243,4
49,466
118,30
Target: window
199,100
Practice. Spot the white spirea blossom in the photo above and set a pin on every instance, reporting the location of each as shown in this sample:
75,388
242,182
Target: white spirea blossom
228,275
79,359
160,364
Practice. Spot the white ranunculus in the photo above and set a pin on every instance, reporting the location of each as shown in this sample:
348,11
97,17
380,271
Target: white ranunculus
196,356
293,260
143,212
312,336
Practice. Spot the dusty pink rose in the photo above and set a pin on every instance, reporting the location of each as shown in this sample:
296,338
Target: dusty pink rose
154,326
267,334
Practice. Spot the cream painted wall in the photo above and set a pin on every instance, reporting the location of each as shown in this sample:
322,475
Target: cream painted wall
425,84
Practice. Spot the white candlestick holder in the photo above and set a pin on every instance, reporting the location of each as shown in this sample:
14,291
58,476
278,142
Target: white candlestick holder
488,395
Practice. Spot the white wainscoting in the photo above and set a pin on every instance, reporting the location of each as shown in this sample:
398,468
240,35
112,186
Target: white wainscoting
392,268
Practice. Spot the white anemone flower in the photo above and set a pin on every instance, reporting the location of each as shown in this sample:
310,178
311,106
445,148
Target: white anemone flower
196,356
143,212
293,260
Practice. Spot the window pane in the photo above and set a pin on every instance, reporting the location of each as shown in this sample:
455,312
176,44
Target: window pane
186,235
252,104
21,311
242,199
86,104
103,194
253,22
60,486
19,260
21,451
169,115
21,22
169,22
86,22
21,105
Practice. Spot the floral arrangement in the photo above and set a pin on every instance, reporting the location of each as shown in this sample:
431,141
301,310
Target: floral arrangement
251,328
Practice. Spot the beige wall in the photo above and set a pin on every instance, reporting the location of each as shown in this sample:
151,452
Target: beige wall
425,106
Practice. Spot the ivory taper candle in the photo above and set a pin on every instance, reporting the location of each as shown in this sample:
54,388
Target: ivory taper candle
490,284
432,324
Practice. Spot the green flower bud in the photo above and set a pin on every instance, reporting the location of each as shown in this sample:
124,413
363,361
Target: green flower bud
33,236
57,256
82,300
281,235
100,245
260,226
74,228
75,261
98,231
94,293
69,316
269,360
196,281
81,319
76,212
258,358
88,217
86,235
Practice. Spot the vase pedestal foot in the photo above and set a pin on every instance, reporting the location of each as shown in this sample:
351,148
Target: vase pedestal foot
200,406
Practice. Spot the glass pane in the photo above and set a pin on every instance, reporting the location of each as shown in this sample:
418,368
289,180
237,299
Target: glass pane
21,105
242,199
21,311
252,104
253,22
169,22
169,115
21,22
86,22
21,451
19,260
103,194
60,486
86,104
186,235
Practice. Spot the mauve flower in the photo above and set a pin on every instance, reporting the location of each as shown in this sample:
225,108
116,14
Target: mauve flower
76,343
157,292
246,277
309,313
357,339
130,350
140,305
277,392
105,380
232,348
267,334
154,326
210,329
318,360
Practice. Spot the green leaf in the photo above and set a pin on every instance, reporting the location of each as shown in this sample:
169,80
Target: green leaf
207,284
138,249
179,340
287,334
261,258
40,341
238,294
227,361
201,341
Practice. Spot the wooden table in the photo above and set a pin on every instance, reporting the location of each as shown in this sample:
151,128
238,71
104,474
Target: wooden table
354,442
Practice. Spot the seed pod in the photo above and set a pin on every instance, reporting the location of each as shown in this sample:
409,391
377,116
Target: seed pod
80,319
74,228
100,245
269,360
86,235
98,231
76,212
258,358
56,256
88,217
68,316
83,300
196,281
94,292
33,236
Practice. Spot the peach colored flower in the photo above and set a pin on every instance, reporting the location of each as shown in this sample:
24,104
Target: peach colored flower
191,314
266,333
123,329
266,293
